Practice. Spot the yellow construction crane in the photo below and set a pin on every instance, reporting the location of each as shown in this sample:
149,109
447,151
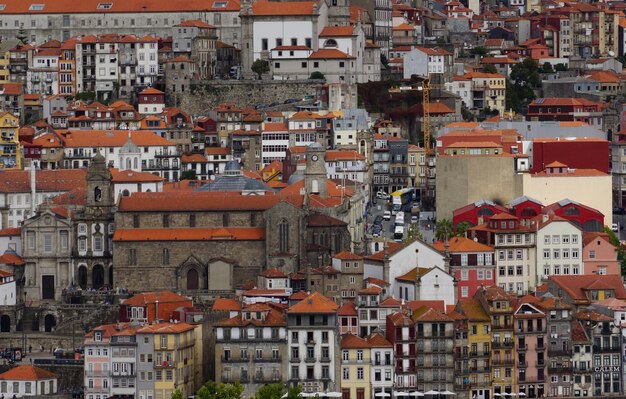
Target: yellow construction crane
426,130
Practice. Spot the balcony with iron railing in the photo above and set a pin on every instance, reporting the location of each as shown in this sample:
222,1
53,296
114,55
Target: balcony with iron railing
506,344
503,362
567,369
606,349
559,352
232,359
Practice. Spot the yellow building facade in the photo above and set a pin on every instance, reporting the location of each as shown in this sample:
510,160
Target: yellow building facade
355,367
10,152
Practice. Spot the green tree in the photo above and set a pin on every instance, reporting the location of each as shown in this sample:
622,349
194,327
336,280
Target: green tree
271,391
547,68
479,50
294,392
177,394
526,73
489,68
260,67
86,96
317,75
462,227
560,67
214,390
188,175
444,230
412,232
621,251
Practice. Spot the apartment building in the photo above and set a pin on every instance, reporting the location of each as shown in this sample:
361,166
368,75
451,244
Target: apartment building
312,339
381,364
251,347
497,303
531,340
479,339
434,332
168,360
480,91
356,364
559,247
514,245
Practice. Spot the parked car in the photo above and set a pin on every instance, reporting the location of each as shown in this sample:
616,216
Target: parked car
382,195
378,220
387,215
414,219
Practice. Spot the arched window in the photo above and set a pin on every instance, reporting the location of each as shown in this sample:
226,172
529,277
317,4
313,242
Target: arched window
125,193
135,163
283,236
315,187
128,163
330,43
166,256
571,211
97,194
528,212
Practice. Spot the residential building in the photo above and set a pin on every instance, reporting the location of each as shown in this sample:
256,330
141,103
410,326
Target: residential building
559,247
401,333
110,361
350,267
499,306
168,359
514,245
356,365
565,109
423,283
478,349
560,344
382,364
312,339
197,40
472,264
143,307
28,380
480,91
251,347
599,256
10,148
530,345
348,318
582,291
435,349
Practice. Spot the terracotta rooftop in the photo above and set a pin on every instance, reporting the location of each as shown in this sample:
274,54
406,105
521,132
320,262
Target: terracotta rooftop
145,298
349,341
314,303
27,372
191,234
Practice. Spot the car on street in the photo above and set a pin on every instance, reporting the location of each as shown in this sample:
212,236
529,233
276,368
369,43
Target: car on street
382,195
615,227
378,220
387,215
414,219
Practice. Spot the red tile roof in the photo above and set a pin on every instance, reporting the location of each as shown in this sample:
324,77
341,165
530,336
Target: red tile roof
131,176
271,8
462,244
349,341
194,23
18,181
337,31
342,155
226,304
10,231
329,54
191,234
11,259
346,255
314,303
113,138
145,298
576,286
347,309
378,340
27,372
273,273
165,328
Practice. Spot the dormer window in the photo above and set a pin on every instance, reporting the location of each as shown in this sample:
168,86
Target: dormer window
105,6
36,7
97,336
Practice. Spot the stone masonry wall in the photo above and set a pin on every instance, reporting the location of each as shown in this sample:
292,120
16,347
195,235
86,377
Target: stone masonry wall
208,94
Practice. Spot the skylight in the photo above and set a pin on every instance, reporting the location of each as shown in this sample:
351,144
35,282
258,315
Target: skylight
104,6
2,7
220,4
36,7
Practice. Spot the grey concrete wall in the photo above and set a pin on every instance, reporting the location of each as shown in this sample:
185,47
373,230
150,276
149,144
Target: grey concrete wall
465,179
208,94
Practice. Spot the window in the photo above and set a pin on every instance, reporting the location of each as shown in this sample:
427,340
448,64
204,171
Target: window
47,242
464,292
592,254
104,6
132,256
166,256
283,236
